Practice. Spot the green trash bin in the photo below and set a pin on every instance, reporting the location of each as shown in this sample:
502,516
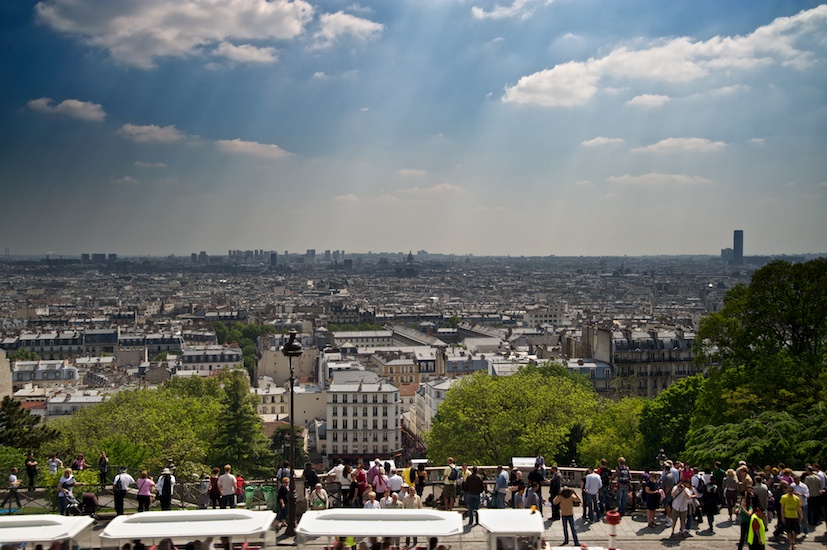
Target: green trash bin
249,492
269,496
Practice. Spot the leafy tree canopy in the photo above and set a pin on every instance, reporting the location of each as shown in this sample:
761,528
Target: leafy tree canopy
769,343
665,420
615,432
488,420
768,438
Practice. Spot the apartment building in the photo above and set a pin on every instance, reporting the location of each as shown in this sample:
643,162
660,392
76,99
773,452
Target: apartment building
208,360
363,420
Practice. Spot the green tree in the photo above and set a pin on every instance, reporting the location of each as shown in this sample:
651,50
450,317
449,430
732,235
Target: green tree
159,423
21,355
615,432
768,345
240,440
665,420
222,333
767,438
20,429
488,420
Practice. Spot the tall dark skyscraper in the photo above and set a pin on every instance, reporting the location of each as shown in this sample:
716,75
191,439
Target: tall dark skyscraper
738,247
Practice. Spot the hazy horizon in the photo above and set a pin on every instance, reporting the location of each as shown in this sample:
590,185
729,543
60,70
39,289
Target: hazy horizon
488,127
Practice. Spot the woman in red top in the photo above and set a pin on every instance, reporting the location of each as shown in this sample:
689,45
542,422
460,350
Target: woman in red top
215,492
361,479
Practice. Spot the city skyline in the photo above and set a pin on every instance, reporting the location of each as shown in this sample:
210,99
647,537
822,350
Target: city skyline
521,128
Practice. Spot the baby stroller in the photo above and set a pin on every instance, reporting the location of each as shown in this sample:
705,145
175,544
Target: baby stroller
88,506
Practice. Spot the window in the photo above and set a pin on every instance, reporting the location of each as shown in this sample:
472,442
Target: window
344,398
375,398
355,411
335,413
344,436
384,411
375,424
344,424
385,424
335,424
375,411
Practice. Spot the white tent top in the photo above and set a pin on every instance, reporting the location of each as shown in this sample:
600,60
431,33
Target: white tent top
523,462
511,522
233,523
41,528
349,522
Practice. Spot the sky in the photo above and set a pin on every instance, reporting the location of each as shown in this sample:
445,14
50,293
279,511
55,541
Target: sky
487,127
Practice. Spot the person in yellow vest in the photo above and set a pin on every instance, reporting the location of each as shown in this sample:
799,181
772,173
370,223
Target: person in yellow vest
791,513
757,535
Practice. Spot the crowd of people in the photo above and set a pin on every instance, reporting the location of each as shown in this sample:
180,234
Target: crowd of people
771,502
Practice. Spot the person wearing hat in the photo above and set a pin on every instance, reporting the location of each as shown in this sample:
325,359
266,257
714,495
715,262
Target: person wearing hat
120,486
166,484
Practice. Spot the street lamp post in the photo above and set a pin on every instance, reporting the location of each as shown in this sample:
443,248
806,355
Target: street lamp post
291,349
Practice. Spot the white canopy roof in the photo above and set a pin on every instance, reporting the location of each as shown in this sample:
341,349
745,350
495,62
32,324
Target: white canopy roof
510,521
233,523
349,522
41,528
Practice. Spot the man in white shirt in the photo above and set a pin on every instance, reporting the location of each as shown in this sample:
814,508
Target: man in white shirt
227,486
14,485
120,486
395,481
803,493
591,487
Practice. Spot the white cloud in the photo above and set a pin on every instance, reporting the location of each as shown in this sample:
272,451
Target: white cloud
411,173
649,100
126,180
139,33
348,199
655,179
151,132
72,108
758,141
583,183
264,150
438,189
600,140
564,85
521,9
678,61
334,26
141,164
247,53
669,145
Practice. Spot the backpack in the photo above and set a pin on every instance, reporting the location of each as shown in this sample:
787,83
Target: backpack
605,476
454,474
166,490
623,475
701,485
